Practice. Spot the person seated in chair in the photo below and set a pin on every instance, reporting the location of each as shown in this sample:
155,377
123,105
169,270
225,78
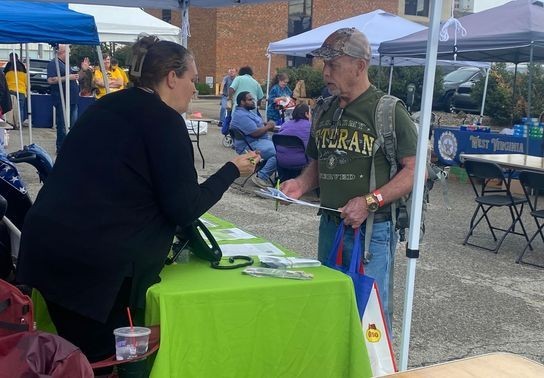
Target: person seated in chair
256,134
299,126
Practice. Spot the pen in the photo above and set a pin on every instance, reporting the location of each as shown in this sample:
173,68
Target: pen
277,187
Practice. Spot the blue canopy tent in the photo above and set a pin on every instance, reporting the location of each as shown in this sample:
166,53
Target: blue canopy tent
27,22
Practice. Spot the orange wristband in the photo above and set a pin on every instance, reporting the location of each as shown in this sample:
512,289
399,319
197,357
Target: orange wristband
379,197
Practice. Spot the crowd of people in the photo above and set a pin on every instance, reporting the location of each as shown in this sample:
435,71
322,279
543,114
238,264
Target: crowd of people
153,186
86,81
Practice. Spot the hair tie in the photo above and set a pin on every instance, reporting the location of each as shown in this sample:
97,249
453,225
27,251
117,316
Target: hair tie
138,62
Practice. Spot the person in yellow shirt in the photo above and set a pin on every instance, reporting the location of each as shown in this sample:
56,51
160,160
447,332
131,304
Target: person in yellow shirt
17,83
115,80
115,66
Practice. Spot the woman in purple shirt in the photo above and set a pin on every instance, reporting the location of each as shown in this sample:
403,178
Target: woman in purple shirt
298,126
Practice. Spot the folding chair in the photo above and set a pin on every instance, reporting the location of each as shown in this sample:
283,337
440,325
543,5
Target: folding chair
533,182
236,134
286,145
480,174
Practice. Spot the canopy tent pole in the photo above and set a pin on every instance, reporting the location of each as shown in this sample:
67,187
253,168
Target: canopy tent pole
529,90
391,65
102,68
18,120
29,95
59,83
530,80
185,31
67,84
380,72
268,81
412,250
484,95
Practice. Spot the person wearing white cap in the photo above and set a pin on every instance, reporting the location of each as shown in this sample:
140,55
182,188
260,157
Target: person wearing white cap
343,148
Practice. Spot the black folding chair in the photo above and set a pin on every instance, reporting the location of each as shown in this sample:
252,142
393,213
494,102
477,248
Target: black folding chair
236,134
533,182
480,174
294,145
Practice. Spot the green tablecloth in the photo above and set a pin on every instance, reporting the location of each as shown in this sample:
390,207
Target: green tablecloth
221,323
225,324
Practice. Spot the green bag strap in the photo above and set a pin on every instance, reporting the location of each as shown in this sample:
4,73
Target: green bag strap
321,106
384,123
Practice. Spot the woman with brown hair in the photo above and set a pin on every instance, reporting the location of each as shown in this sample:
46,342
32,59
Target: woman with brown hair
102,225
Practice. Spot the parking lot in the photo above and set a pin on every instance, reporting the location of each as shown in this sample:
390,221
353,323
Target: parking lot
467,301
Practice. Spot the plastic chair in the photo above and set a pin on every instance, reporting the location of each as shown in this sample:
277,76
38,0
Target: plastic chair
480,174
285,145
533,182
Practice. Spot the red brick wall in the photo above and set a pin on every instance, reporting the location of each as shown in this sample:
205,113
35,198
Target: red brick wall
239,36
327,11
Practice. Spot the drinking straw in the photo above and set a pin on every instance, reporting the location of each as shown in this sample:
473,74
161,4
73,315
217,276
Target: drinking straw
130,319
133,339
277,187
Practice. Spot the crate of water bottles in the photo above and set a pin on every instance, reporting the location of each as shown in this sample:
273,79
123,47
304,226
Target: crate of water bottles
531,127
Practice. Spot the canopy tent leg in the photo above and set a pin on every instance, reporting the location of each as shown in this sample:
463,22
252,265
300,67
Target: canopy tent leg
59,83
390,77
530,80
67,84
29,95
17,120
185,31
102,68
412,251
268,81
484,95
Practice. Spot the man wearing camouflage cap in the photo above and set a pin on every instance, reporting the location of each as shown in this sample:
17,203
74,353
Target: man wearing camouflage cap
343,147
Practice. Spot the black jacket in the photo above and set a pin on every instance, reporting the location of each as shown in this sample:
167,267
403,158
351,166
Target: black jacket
123,180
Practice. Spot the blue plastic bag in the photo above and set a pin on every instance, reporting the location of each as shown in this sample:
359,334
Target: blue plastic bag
376,335
361,282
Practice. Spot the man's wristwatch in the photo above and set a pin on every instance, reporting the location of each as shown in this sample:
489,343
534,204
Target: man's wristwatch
373,201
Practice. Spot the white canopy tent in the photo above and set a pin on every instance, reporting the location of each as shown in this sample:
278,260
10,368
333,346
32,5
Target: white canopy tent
378,26
125,28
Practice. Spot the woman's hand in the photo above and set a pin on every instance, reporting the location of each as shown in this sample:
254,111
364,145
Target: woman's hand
246,162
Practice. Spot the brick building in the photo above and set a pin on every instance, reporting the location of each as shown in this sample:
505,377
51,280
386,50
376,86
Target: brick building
237,36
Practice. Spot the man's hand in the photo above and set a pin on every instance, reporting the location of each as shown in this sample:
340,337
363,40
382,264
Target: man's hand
354,212
270,125
85,64
229,104
292,188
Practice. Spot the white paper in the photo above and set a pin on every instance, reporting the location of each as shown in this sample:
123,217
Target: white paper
259,249
230,234
277,194
207,223
288,262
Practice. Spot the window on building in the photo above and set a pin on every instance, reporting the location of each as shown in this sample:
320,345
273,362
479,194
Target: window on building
167,15
300,20
416,8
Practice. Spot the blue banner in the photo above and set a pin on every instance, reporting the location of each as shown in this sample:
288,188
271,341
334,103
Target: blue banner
449,143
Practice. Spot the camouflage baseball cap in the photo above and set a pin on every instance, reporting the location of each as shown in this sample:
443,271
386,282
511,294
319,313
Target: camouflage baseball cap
345,41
